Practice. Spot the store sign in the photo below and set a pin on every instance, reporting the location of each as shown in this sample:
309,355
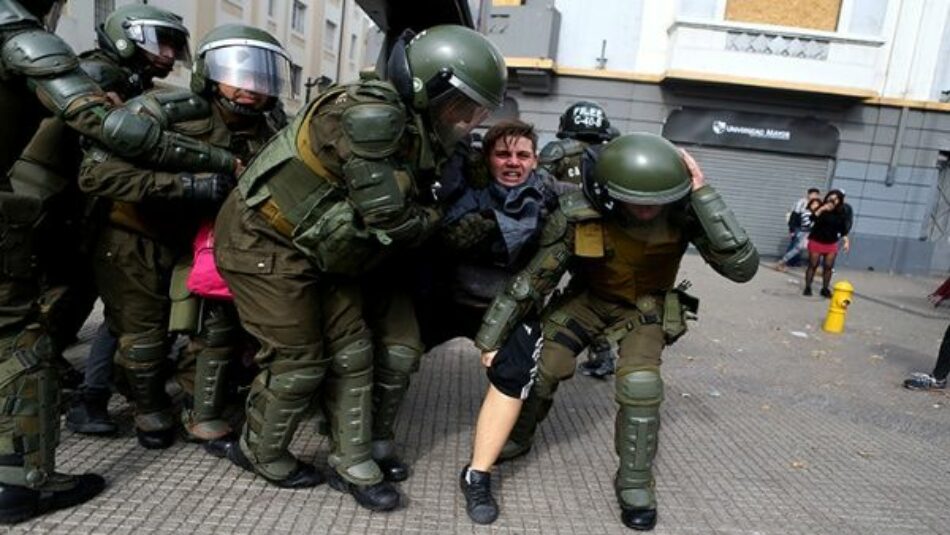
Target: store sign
776,133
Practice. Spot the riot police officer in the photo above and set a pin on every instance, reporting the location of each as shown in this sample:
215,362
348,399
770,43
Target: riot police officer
137,43
583,124
242,71
41,75
238,75
330,197
625,235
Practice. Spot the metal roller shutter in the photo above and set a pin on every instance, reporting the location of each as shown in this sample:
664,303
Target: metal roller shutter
761,188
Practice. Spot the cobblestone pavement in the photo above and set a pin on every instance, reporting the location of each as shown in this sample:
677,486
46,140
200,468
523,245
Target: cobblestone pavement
770,426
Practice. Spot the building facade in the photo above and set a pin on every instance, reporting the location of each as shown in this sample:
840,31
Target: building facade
771,97
325,38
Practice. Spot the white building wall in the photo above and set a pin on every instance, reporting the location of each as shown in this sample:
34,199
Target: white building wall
886,48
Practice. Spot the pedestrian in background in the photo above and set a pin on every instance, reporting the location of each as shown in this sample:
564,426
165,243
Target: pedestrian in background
937,379
799,225
832,223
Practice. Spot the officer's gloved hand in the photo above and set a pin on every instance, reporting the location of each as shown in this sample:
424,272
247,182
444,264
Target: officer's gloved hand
206,188
468,231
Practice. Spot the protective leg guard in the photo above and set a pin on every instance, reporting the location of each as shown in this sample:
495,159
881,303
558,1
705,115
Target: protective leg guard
29,409
349,404
142,359
533,412
393,368
205,419
279,397
639,394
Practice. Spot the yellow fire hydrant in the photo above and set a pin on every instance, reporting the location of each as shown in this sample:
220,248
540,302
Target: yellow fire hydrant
838,307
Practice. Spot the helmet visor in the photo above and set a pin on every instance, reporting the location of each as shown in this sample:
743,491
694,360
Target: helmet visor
260,70
454,115
160,39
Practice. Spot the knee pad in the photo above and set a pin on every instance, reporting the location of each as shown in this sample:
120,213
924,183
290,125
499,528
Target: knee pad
299,381
356,357
141,351
398,359
643,387
219,329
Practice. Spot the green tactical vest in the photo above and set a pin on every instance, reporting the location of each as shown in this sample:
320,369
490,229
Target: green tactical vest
562,158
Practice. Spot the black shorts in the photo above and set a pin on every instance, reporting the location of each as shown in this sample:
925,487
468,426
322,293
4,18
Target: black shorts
516,365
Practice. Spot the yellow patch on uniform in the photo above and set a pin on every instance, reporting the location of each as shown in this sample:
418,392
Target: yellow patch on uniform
589,239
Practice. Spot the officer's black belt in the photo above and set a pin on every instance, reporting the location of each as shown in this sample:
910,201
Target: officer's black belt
569,342
578,331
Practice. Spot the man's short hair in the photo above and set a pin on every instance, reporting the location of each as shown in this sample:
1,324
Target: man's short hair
508,128
814,190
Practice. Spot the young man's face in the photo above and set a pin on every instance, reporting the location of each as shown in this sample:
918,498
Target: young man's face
812,195
511,160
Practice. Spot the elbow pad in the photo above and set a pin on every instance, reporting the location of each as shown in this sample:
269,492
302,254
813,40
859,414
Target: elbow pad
719,224
134,135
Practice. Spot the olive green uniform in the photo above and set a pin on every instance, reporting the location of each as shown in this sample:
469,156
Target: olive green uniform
39,74
331,196
623,276
150,230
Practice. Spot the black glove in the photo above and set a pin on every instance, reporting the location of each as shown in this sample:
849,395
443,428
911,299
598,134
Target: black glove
468,231
206,188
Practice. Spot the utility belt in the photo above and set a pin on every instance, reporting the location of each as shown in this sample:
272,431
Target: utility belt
670,310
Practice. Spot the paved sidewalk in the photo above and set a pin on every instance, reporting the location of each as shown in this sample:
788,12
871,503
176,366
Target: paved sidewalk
770,426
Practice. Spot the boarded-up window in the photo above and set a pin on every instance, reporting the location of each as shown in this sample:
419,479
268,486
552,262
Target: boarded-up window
814,14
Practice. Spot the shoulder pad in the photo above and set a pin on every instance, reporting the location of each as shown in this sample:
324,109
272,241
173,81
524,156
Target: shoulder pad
374,90
38,53
577,207
107,75
171,106
374,129
551,153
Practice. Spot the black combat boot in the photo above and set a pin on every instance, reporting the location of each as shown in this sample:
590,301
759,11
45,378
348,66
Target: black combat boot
394,469
156,440
19,503
381,496
638,519
303,476
479,502
90,414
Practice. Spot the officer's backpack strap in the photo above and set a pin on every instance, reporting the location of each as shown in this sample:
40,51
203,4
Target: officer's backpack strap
304,150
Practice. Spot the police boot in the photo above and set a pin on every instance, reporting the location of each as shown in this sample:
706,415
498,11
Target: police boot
19,503
302,476
279,398
393,367
639,394
381,496
90,414
534,410
142,360
384,453
349,405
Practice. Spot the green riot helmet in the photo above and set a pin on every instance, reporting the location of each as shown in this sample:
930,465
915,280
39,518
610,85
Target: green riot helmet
585,121
639,169
153,37
457,76
242,57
